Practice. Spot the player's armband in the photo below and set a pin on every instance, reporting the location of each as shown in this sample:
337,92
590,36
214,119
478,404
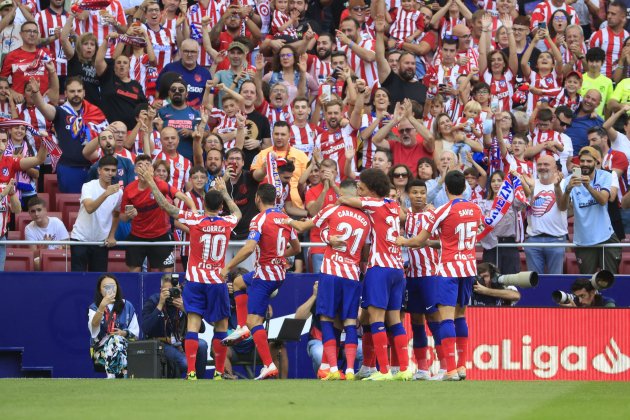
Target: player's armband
253,235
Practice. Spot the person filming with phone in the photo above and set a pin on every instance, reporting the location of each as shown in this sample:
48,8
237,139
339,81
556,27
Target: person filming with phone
589,192
164,319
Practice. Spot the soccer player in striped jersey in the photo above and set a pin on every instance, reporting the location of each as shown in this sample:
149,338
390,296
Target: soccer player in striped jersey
456,223
198,180
384,283
206,292
422,281
339,288
273,242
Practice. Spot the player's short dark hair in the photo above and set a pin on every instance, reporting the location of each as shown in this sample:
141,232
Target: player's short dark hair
414,182
455,182
376,181
596,54
108,161
213,200
196,169
28,22
36,201
287,167
348,183
282,124
582,283
617,4
267,194
141,158
338,54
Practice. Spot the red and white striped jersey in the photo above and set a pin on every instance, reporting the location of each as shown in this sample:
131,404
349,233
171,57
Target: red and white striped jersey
155,138
428,121
406,23
47,20
36,119
139,68
333,146
196,13
612,44
447,76
272,237
422,261
275,114
567,56
353,226
5,211
180,167
170,24
279,19
128,154
549,84
617,160
303,138
384,215
181,235
564,99
539,137
320,70
447,25
164,45
456,223
5,109
96,24
363,69
544,11
501,89
368,147
226,125
476,124
523,167
209,239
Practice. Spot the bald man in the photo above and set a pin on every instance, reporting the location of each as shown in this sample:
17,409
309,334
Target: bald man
585,118
467,55
546,223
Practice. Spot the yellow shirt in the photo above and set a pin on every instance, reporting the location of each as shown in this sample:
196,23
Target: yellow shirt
300,160
622,92
602,84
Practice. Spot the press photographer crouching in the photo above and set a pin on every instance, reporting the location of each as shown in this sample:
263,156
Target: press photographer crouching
493,289
585,294
164,319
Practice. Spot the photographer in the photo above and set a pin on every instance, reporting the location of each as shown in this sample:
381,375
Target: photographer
164,318
586,296
487,292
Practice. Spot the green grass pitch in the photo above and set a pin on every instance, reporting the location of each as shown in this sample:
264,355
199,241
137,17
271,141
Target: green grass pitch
310,399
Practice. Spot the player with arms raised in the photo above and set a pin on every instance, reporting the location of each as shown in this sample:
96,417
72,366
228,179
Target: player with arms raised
205,292
384,282
339,290
273,242
456,223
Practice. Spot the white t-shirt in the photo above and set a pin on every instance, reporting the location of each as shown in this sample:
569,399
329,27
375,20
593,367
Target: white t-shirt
622,144
543,216
10,37
95,226
566,154
55,231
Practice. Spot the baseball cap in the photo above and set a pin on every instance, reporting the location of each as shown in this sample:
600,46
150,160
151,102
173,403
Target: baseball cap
591,151
574,73
6,3
240,46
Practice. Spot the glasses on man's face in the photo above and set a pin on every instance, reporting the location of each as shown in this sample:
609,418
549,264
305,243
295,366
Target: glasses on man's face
449,37
405,130
177,90
30,31
400,175
519,29
287,55
189,52
359,8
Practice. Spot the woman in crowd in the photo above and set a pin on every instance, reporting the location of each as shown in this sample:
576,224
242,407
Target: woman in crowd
399,176
427,169
81,57
285,69
112,322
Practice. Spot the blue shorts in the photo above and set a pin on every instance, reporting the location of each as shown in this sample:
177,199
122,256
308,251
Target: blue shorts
259,293
384,288
212,301
454,291
422,294
338,296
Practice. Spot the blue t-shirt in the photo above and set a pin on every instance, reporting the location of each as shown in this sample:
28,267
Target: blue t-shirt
196,80
72,149
179,119
578,129
592,223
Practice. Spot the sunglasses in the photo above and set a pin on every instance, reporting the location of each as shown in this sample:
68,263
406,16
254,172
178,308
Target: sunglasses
401,175
405,130
451,37
359,8
176,90
287,55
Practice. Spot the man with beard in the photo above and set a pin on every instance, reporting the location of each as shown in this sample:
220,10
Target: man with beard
360,53
179,165
181,116
336,140
546,223
319,66
589,194
75,122
194,75
258,132
106,142
214,166
238,72
584,119
304,21
400,85
230,27
303,132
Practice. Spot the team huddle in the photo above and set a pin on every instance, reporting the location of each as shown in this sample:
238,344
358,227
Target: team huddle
362,226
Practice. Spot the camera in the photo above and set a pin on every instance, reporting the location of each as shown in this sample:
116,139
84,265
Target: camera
562,297
174,292
524,279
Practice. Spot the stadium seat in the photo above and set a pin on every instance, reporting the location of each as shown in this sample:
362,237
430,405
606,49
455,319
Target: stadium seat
55,260
572,265
51,186
116,261
72,218
44,196
22,219
66,203
14,235
624,267
19,259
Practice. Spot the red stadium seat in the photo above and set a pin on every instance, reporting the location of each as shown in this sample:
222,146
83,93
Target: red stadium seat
624,267
14,235
66,203
116,262
51,186
72,218
44,196
572,265
19,259
55,260
23,219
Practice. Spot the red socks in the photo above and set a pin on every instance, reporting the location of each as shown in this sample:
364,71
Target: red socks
260,339
393,352
351,355
462,351
241,308
421,357
368,349
448,347
220,353
439,349
191,347
401,344
330,350
380,349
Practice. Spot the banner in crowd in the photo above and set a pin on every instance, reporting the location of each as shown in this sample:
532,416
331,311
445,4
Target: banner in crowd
549,343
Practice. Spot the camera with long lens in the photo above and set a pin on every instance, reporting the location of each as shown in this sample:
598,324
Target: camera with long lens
174,292
561,297
524,279
601,280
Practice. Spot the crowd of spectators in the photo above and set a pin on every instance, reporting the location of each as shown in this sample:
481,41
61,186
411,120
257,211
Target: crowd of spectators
530,93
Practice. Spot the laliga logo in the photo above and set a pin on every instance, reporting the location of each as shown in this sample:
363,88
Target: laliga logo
613,361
